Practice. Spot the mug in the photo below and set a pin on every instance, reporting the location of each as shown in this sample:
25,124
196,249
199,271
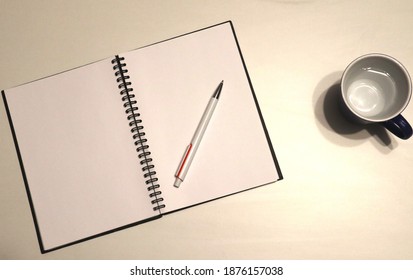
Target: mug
376,88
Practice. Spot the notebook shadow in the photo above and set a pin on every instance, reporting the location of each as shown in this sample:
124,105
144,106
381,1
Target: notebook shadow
336,128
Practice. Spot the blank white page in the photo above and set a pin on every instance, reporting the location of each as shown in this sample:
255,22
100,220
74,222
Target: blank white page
173,82
80,163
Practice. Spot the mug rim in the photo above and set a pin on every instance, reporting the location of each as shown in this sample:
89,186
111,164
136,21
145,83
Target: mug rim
380,55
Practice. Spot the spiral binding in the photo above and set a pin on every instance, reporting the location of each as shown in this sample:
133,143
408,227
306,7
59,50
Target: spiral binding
138,135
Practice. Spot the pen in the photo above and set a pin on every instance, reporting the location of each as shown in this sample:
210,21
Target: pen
196,139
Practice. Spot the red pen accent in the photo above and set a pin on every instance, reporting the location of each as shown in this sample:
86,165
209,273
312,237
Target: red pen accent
188,149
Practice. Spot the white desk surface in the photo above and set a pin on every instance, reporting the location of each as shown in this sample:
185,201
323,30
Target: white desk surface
347,191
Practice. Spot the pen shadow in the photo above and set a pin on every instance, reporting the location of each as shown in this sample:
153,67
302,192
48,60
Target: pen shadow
336,128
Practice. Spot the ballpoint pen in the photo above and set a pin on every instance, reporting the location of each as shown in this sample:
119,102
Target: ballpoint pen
196,139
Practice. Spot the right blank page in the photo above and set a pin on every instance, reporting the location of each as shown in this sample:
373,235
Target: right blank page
173,82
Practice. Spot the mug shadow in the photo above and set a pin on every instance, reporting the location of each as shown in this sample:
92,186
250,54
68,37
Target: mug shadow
336,128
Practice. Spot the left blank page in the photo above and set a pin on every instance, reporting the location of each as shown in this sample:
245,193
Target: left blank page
80,163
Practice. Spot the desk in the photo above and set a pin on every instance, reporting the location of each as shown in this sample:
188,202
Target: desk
347,191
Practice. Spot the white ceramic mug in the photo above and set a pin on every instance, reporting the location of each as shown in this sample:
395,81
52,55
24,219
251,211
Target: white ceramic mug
376,88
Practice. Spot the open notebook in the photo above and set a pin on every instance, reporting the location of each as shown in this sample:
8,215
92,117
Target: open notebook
99,145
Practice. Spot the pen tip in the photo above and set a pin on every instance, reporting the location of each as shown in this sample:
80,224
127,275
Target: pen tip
218,90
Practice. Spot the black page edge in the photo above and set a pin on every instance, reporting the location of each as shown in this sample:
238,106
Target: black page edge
277,166
26,184
101,234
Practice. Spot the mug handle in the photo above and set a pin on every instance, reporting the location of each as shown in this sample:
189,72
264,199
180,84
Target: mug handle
399,127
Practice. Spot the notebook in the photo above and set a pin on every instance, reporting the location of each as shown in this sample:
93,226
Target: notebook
99,145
